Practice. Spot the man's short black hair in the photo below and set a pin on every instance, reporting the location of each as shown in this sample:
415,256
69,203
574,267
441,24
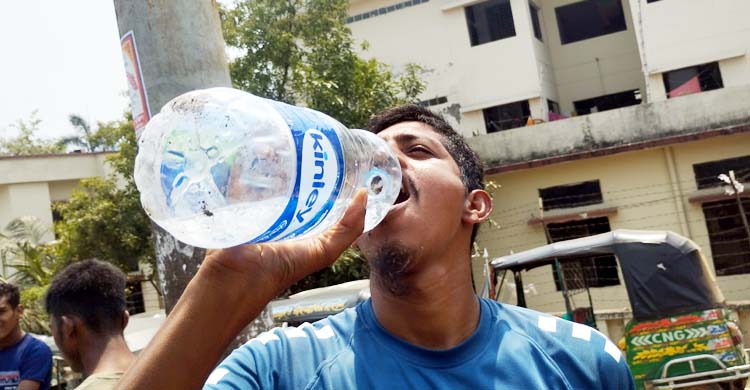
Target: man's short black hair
91,290
11,292
469,164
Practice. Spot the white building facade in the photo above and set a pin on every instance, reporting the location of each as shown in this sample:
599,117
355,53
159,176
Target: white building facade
615,113
505,61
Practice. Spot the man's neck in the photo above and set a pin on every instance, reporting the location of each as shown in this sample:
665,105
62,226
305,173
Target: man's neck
12,339
440,310
106,354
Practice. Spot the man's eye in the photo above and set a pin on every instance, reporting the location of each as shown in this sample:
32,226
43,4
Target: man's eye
419,149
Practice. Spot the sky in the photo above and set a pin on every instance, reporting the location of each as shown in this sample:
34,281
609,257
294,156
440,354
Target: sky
60,58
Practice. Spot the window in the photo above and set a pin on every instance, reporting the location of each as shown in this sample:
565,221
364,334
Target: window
490,21
134,297
607,102
383,10
554,111
584,271
571,195
433,102
730,246
693,79
506,116
534,10
589,19
553,106
706,174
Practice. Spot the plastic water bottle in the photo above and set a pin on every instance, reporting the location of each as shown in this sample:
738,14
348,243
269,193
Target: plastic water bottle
220,167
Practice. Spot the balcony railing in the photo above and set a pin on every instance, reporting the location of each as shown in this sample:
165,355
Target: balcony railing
692,117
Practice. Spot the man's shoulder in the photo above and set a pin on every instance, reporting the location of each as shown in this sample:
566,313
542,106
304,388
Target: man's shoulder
287,357
577,349
35,345
104,381
547,329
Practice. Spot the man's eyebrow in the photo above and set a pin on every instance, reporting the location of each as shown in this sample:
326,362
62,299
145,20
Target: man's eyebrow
405,138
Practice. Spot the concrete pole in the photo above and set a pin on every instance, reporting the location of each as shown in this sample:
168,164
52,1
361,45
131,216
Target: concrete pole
180,48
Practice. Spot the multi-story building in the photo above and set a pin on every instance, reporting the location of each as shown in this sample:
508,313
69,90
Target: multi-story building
615,113
29,185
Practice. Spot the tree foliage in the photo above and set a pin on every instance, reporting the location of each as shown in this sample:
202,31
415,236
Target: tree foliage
301,52
103,218
25,144
106,137
103,138
351,265
35,318
30,262
25,252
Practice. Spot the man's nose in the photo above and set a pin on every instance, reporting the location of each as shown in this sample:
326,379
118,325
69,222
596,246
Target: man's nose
401,160
400,156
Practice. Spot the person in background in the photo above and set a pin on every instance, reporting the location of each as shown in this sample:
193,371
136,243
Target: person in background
25,362
86,306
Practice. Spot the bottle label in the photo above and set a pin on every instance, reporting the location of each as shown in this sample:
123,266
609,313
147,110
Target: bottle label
320,173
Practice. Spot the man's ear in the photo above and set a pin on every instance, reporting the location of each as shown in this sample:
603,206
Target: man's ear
477,207
125,319
69,326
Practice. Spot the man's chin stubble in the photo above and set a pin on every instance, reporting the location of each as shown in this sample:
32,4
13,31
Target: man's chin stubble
389,268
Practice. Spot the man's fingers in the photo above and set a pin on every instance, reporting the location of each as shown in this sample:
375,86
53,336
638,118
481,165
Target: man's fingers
328,246
353,220
290,261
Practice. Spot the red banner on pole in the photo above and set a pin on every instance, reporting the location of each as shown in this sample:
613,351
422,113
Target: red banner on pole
136,88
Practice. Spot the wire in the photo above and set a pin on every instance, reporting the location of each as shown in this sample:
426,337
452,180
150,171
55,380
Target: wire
534,204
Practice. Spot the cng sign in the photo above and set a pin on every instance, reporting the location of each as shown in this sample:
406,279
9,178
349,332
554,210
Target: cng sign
677,335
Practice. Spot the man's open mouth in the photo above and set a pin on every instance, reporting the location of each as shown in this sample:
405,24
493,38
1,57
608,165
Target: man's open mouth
403,194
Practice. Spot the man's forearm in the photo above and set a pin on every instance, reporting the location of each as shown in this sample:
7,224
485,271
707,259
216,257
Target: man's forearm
231,288
27,384
214,307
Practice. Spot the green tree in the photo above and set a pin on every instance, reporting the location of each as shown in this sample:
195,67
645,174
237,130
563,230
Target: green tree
351,265
301,52
103,218
25,144
26,252
31,262
106,137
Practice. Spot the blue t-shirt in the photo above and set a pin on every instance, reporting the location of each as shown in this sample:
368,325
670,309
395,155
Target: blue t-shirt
28,359
512,348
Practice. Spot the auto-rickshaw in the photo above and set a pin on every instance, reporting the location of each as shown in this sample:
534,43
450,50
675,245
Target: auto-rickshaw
681,334
319,303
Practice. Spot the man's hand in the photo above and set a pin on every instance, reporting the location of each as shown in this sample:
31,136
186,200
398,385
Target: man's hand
283,263
231,288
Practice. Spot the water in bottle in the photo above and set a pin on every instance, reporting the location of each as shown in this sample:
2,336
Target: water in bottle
221,167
